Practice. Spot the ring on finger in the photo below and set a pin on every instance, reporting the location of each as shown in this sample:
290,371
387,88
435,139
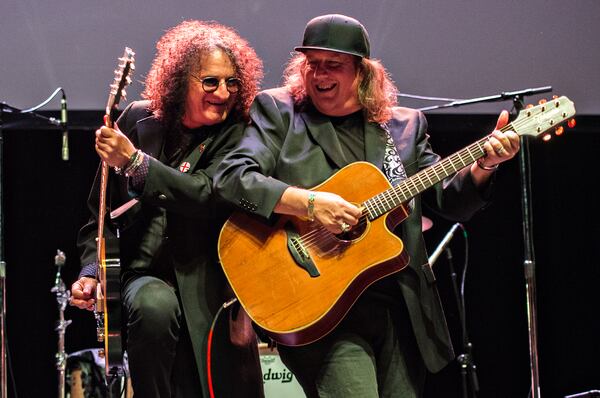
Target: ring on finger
344,226
499,150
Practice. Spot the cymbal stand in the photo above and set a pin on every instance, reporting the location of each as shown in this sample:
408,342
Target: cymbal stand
62,297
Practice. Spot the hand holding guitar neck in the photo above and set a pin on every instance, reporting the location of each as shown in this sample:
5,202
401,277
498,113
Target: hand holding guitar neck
108,291
296,255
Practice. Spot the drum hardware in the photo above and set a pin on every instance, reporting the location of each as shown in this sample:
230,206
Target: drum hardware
278,380
86,376
62,298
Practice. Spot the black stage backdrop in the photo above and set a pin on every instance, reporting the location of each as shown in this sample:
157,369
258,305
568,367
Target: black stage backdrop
45,204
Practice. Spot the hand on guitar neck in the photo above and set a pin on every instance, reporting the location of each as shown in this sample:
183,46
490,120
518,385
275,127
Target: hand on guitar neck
113,146
500,147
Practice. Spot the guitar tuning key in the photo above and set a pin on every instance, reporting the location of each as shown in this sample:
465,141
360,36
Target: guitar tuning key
542,101
571,123
547,137
529,106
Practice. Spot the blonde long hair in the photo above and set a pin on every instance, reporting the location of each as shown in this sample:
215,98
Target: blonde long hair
377,93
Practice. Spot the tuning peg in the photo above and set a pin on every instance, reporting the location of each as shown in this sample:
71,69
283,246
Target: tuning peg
542,101
547,137
528,106
559,130
571,123
554,96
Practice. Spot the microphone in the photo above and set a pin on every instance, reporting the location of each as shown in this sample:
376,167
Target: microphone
63,124
438,250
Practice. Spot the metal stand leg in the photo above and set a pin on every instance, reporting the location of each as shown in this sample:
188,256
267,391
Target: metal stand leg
62,297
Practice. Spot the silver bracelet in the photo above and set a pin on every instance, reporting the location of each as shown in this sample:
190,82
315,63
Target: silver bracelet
487,168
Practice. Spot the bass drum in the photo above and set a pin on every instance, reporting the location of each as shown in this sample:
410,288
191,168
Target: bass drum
278,380
85,378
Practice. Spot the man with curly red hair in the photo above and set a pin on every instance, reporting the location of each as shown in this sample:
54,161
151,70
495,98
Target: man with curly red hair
338,106
164,151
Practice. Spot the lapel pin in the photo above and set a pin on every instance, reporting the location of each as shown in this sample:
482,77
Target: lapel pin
184,167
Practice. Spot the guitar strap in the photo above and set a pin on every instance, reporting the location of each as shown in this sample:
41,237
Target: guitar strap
392,164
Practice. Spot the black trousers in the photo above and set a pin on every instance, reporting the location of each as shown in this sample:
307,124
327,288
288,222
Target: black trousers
372,353
161,358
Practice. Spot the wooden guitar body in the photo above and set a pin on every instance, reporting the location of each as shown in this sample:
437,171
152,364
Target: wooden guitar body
297,281
281,296
110,285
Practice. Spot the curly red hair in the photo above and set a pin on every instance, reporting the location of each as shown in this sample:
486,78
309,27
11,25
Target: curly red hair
180,51
377,93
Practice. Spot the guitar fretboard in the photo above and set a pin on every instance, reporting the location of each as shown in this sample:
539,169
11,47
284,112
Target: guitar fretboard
390,199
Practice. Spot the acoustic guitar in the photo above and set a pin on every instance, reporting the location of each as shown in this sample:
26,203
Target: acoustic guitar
297,281
108,291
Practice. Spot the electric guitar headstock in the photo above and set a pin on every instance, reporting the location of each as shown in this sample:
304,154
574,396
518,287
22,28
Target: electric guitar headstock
121,81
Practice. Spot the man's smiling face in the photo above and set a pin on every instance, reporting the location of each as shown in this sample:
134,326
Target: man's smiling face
332,80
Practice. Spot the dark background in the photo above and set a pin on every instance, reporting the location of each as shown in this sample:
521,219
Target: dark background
458,49
44,205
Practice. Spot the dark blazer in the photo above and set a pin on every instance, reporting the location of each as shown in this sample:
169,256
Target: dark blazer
175,226
299,147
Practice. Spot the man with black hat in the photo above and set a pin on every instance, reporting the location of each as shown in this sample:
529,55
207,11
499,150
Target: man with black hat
337,107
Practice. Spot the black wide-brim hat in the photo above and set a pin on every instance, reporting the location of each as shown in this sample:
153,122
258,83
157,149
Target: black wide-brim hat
335,32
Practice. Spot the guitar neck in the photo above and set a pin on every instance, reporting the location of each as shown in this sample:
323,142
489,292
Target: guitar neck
390,199
102,213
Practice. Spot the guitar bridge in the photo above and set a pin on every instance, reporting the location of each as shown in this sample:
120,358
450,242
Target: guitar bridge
298,251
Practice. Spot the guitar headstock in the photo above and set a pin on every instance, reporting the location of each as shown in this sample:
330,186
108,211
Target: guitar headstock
546,116
122,79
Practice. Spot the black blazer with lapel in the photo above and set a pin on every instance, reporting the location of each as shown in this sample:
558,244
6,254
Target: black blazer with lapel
176,222
286,146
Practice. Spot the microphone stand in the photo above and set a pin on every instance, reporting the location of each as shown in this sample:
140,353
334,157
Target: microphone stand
465,360
8,112
529,262
503,96
62,297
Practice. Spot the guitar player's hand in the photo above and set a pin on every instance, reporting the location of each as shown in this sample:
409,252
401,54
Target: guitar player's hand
83,293
329,209
500,147
113,146
333,211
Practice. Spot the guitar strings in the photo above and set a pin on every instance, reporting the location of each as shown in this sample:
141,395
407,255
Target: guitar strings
322,235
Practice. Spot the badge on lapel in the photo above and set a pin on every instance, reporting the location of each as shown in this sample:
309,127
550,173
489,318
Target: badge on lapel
184,167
